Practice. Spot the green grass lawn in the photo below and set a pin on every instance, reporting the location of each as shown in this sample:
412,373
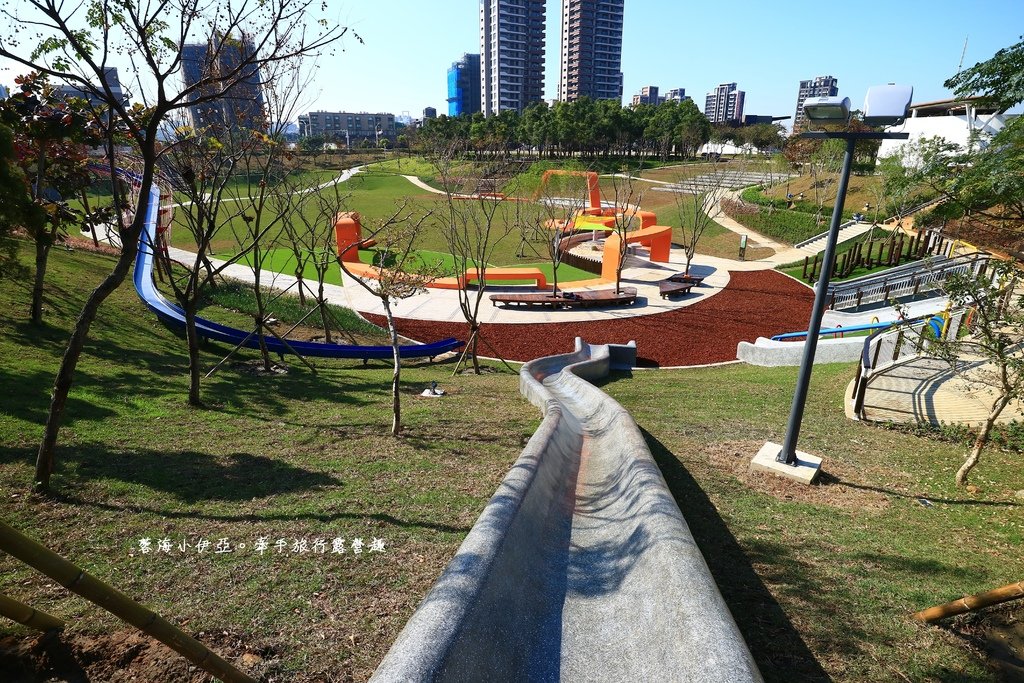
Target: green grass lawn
821,580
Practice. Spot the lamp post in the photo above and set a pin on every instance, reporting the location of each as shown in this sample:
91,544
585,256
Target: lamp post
885,105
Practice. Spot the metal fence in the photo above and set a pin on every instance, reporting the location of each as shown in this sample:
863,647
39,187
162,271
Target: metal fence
889,347
904,281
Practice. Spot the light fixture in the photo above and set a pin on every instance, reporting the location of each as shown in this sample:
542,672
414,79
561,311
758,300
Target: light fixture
887,105
827,109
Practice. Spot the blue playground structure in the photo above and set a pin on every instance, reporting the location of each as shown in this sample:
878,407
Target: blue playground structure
174,317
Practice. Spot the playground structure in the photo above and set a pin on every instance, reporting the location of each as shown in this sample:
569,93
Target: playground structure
581,567
173,316
656,238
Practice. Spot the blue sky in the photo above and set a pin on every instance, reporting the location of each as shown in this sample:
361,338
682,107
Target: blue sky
765,47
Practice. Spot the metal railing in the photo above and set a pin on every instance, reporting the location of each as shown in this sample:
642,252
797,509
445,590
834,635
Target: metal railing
907,280
909,339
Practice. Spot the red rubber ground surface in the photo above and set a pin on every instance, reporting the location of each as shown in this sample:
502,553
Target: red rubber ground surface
755,304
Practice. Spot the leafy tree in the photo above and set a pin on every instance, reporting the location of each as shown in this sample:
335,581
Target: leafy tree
990,359
16,206
50,136
76,46
998,81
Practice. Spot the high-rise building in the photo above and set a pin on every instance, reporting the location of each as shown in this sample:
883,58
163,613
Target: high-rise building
822,86
591,50
429,113
109,77
464,86
511,54
240,106
724,104
677,95
647,95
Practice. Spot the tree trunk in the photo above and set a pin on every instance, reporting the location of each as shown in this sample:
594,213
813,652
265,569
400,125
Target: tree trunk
65,375
396,405
192,340
42,252
474,333
323,313
982,439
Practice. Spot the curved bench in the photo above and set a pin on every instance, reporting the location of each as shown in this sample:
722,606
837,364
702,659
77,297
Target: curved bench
581,566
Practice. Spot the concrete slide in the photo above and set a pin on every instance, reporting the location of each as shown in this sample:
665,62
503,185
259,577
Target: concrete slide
581,567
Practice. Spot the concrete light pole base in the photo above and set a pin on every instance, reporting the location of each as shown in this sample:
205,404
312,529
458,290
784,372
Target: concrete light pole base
805,471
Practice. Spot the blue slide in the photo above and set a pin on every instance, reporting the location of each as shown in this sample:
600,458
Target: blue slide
173,316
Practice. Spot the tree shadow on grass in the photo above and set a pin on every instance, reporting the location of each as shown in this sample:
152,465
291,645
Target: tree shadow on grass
776,645
189,476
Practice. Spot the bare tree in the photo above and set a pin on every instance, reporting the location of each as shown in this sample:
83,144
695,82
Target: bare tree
627,193
560,203
400,274
76,43
990,358
698,206
308,215
473,226
825,164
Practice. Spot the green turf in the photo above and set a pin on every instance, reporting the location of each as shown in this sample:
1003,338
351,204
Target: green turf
820,580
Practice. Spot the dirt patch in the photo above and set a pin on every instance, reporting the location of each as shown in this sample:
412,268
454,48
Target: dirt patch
999,632
833,487
122,656
755,304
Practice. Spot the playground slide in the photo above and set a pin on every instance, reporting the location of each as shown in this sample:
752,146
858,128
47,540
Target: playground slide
581,567
173,316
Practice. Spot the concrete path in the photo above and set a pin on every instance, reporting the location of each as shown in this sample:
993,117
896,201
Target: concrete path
443,305
923,389
580,568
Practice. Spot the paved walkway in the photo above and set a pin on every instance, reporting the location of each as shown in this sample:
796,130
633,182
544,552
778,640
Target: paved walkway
443,305
924,389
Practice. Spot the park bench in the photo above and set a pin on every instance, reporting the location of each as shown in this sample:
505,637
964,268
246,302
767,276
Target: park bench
668,288
582,299
696,280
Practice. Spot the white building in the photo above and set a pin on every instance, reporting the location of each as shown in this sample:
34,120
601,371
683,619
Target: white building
954,120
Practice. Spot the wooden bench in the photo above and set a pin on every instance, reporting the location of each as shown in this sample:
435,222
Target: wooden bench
668,288
696,280
583,299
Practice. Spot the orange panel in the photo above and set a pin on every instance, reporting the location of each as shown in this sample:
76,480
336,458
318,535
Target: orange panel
348,231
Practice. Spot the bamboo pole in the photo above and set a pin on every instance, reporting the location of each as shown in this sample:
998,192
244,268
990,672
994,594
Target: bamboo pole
28,616
969,603
117,603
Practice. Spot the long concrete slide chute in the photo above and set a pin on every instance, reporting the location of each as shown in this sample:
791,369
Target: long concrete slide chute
581,567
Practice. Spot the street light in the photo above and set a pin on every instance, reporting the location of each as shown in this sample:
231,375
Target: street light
884,105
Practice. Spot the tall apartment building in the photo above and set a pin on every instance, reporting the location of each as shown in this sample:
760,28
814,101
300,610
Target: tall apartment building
511,54
464,86
822,86
110,78
591,50
241,106
677,95
724,104
647,95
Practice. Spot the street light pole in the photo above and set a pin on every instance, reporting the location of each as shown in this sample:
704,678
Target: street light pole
788,453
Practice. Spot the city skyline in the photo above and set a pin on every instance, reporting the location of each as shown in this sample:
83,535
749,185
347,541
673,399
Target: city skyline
401,65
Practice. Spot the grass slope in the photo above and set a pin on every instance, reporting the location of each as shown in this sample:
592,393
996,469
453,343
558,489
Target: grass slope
283,457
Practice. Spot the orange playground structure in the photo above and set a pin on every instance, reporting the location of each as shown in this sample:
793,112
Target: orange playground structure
657,239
